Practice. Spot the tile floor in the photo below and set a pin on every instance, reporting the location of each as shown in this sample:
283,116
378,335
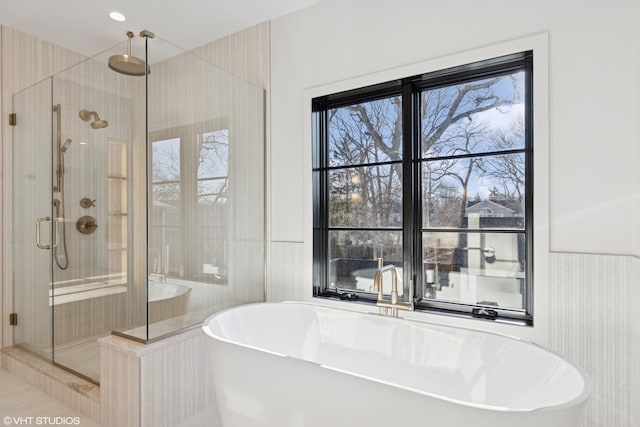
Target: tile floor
23,404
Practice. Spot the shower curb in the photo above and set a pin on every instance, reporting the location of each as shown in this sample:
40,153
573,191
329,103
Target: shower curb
77,393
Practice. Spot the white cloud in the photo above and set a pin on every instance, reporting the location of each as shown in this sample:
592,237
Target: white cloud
501,119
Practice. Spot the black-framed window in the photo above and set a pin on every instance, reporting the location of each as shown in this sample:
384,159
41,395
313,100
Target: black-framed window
433,174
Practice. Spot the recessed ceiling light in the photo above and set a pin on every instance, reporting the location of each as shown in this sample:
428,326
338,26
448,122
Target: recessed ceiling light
117,16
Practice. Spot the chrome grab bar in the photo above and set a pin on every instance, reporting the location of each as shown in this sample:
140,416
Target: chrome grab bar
55,232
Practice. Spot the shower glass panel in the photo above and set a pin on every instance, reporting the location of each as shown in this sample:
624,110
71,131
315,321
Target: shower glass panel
99,120
148,192
205,198
31,214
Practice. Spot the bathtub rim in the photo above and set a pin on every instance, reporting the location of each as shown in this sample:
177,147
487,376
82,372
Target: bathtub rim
581,398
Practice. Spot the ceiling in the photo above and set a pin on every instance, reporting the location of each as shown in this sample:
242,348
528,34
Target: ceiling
84,26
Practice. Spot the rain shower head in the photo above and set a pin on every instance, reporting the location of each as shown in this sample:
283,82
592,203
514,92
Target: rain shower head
127,64
98,123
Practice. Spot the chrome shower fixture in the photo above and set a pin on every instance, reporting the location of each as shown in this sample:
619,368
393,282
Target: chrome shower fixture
127,64
98,123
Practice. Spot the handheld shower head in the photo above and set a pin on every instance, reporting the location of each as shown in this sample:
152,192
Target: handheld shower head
65,146
98,123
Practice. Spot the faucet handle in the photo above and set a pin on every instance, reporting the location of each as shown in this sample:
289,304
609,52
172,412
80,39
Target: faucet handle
87,203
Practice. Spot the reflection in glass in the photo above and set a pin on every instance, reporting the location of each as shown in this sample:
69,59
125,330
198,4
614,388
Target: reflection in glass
214,154
475,268
188,230
166,160
209,261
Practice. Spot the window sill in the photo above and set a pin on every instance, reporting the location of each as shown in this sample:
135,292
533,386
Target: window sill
369,300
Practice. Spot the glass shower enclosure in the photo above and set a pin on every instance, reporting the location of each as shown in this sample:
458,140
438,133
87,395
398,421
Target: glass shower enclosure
138,200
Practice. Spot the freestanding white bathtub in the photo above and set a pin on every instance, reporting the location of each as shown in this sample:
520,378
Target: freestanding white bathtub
305,365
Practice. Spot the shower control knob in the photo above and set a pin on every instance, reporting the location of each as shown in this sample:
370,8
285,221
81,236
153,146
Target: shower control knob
86,224
87,203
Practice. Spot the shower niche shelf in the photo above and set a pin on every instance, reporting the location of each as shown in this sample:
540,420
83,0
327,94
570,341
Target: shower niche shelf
117,207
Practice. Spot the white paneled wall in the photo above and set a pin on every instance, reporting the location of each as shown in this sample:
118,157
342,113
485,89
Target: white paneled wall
286,268
633,336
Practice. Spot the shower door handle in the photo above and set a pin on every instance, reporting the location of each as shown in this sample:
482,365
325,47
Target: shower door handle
55,232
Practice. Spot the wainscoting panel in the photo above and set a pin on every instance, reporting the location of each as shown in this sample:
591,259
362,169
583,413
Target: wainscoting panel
286,272
634,340
590,324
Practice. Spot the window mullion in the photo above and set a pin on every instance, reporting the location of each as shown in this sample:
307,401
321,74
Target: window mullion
409,132
321,206
529,218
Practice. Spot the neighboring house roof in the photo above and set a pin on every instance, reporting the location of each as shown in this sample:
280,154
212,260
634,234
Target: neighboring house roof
489,209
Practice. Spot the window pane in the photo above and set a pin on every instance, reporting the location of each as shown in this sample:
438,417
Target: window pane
354,257
166,200
474,117
214,154
212,190
368,132
474,192
366,196
165,163
475,268
210,244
